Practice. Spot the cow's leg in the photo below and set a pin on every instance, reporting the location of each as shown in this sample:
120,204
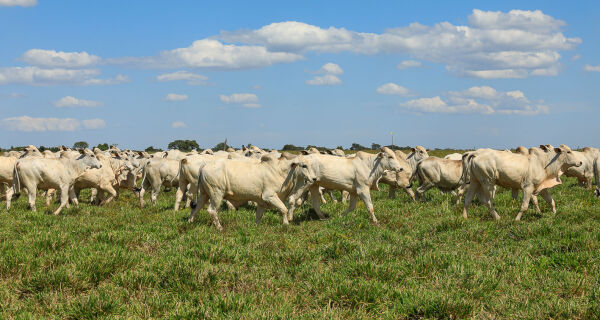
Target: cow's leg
330,192
459,193
316,201
422,189
321,194
345,196
72,197
534,200
392,191
64,198
93,196
260,210
470,193
32,193
410,193
548,197
202,198
352,206
9,194
49,195
231,206
527,191
141,195
193,191
181,190
488,195
365,196
213,207
277,203
111,193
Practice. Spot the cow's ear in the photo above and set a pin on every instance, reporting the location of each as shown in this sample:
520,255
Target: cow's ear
304,152
294,164
244,148
81,151
166,154
557,150
543,147
413,149
426,150
380,155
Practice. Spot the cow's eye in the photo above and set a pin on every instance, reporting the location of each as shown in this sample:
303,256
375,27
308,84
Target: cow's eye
401,169
568,151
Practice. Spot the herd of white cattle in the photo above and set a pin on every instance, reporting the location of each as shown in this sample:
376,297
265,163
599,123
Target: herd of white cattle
272,179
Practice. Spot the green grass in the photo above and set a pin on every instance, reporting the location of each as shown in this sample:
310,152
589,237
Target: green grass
423,261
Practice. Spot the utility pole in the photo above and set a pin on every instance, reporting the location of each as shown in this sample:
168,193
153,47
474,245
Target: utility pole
392,134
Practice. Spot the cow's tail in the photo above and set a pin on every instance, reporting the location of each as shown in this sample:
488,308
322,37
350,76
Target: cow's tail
597,175
144,171
466,167
16,183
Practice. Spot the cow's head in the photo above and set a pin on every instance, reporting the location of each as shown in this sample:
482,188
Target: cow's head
387,160
89,159
419,153
567,158
304,169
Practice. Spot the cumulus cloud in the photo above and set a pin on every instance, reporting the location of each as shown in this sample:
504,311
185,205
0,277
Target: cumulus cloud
477,100
20,3
590,68
330,68
59,59
409,64
178,125
29,124
326,80
189,77
330,71
515,44
212,54
70,101
176,97
393,89
37,76
252,105
239,98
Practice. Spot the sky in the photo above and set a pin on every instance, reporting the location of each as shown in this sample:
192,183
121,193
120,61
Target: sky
442,74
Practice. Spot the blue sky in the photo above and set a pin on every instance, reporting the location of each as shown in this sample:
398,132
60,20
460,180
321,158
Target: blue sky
438,74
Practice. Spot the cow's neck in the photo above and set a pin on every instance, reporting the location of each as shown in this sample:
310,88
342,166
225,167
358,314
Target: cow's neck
412,161
553,167
289,175
76,167
375,168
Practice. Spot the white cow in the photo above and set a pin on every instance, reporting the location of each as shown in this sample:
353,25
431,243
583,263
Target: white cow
7,165
444,174
60,173
356,176
156,173
585,173
268,183
454,156
416,155
535,174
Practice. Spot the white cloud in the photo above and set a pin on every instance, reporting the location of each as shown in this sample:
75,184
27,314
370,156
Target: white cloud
29,124
477,100
38,76
59,59
21,3
325,80
69,101
189,77
212,54
93,124
515,44
178,124
252,105
244,98
590,68
330,68
393,89
176,97
575,57
409,64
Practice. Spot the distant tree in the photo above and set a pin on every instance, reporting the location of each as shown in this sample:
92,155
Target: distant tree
395,147
375,146
357,147
102,146
184,145
151,149
220,146
290,147
80,145
340,147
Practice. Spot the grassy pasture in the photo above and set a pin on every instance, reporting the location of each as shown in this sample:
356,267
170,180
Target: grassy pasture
423,261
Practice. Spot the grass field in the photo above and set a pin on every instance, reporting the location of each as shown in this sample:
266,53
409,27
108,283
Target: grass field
423,261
